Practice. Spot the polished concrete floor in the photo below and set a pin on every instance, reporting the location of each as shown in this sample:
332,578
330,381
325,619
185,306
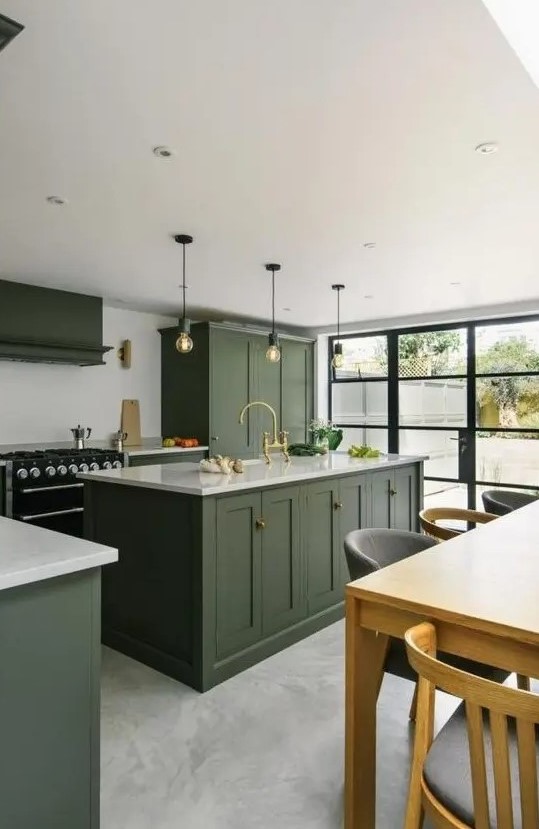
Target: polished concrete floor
262,751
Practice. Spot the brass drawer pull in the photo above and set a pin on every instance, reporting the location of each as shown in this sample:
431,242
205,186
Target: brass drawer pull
260,524
392,491
337,505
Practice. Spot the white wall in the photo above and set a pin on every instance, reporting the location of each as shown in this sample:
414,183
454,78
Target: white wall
40,403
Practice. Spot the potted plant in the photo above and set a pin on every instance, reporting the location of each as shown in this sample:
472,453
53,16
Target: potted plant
325,435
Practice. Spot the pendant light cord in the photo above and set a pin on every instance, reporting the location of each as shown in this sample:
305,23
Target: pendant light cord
183,283
273,302
338,314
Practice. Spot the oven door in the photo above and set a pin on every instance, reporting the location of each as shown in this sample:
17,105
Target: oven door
58,508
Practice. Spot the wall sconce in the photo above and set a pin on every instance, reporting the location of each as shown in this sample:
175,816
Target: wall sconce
124,353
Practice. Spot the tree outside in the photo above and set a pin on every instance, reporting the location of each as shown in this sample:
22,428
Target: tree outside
516,398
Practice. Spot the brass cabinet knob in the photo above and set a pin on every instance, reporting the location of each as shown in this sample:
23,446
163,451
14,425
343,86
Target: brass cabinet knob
260,524
392,491
214,437
337,505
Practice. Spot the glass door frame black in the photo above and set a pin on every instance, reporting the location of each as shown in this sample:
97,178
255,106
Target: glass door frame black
468,433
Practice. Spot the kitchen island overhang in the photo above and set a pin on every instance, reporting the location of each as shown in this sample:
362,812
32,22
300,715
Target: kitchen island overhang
218,572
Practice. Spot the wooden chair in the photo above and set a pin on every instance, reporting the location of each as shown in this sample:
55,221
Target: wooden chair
481,769
428,518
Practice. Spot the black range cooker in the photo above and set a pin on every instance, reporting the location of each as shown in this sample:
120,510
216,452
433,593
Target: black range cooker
41,487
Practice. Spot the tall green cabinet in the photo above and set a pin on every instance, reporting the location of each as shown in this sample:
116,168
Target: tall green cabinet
204,391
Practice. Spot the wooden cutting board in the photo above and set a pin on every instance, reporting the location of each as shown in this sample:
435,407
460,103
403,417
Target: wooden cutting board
130,422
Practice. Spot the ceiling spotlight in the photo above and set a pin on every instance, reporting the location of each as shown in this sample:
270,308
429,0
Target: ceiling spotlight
59,201
487,148
368,296
287,309
369,245
454,284
164,152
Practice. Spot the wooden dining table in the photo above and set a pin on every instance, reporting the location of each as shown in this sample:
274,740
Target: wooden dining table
480,590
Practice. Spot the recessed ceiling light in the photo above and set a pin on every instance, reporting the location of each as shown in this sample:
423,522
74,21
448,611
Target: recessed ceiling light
487,148
368,296
369,245
164,152
59,201
454,284
287,309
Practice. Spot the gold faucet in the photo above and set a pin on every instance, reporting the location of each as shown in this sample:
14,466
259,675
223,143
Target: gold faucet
279,441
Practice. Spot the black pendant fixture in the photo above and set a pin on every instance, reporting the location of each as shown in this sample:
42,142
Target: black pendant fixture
338,358
273,354
184,343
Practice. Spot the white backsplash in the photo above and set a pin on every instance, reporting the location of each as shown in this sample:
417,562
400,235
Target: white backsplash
40,403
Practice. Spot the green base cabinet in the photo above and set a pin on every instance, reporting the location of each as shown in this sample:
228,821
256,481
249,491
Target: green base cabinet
208,586
161,458
203,392
49,703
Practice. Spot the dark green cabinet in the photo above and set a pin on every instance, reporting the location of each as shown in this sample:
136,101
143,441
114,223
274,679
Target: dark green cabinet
204,391
49,703
283,601
207,586
258,567
394,499
166,458
297,389
321,538
238,573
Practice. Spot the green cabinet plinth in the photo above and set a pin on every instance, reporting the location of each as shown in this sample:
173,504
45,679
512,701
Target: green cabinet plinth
208,586
204,391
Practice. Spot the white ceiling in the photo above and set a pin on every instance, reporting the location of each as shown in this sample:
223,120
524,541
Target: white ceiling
303,129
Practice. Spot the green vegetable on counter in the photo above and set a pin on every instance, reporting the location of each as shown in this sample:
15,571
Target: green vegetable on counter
363,451
305,449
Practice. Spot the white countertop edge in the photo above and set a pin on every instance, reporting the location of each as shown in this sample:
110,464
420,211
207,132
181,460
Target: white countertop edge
42,572
239,483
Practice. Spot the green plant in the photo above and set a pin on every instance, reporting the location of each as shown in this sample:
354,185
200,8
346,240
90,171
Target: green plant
506,356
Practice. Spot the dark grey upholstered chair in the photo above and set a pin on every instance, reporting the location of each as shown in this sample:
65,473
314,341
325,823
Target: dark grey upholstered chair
373,549
503,501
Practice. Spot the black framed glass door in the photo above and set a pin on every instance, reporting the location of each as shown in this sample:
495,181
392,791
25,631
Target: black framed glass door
466,395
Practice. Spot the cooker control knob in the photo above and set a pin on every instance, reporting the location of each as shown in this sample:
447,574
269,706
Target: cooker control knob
34,472
50,471
73,468
62,470
117,464
94,466
83,467
107,465
22,474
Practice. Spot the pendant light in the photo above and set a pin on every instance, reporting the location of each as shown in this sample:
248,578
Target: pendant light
273,354
184,343
338,358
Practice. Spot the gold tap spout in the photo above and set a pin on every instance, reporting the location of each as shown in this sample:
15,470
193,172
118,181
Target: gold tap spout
280,440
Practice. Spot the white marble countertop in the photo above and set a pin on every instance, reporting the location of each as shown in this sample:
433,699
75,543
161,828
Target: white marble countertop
187,478
29,554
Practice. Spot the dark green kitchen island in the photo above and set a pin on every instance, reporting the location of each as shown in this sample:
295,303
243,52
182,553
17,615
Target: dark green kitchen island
218,572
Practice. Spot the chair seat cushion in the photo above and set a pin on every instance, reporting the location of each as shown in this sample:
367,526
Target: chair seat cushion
397,664
447,770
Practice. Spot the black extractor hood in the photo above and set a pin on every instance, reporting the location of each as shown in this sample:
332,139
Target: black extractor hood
42,325
8,30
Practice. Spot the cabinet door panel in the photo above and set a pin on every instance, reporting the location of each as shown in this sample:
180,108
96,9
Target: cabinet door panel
322,545
297,389
268,386
404,506
231,385
239,621
353,514
282,596
381,486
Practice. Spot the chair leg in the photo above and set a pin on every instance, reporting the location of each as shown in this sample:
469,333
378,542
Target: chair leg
413,706
523,682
